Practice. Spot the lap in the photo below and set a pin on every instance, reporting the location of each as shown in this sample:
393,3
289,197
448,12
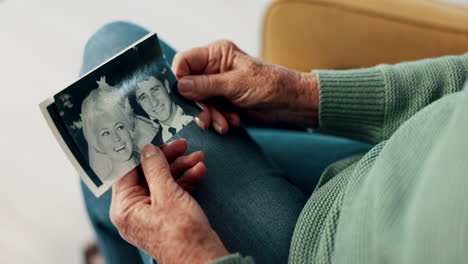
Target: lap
247,200
304,156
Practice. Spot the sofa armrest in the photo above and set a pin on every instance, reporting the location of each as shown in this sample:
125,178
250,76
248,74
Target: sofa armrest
341,34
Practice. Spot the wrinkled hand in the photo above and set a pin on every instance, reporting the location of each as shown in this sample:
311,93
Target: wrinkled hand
264,92
158,215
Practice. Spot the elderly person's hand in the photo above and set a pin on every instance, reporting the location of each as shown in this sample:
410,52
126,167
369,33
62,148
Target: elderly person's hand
264,92
158,215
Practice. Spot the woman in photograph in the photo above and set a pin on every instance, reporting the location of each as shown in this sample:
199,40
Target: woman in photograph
109,129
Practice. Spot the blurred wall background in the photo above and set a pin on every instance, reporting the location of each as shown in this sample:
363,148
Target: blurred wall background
42,217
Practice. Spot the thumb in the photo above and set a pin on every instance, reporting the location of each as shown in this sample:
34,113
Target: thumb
157,173
202,87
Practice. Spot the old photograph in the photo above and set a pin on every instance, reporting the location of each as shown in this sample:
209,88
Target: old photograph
105,118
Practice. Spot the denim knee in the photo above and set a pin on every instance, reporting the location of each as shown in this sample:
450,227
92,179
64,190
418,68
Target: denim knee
108,41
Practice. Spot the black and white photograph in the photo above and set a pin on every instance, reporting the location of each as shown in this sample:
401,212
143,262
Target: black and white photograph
105,118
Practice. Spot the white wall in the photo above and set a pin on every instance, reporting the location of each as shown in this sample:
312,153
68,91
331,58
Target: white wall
41,41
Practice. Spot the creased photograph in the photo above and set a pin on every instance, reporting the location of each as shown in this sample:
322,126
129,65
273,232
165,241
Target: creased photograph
105,118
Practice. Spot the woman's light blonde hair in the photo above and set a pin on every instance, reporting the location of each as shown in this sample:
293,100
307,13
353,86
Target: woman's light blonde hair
105,99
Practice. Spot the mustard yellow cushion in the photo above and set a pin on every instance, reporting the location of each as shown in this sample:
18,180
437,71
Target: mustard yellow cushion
338,34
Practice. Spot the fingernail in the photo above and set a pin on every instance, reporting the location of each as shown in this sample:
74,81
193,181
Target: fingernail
232,121
199,123
179,139
218,128
237,123
149,150
185,85
202,106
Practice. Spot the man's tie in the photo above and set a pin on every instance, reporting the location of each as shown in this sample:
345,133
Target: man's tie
172,130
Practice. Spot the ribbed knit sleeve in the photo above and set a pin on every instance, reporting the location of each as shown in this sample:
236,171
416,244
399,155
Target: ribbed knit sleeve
234,259
370,104
352,103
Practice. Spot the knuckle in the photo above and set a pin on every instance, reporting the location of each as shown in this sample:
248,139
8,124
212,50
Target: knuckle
206,83
253,66
227,48
218,83
224,43
172,192
204,87
178,193
186,224
157,169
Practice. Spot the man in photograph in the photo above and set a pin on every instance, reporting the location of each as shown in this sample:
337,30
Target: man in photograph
155,99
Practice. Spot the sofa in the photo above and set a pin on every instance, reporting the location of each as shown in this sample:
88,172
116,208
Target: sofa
342,34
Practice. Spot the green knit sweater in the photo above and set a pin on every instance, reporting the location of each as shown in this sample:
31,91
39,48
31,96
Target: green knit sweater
405,201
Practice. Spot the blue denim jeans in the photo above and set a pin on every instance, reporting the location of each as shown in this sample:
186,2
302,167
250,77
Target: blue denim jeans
257,181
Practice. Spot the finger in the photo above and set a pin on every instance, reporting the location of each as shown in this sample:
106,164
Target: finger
190,62
259,117
215,57
203,87
203,120
233,118
192,176
184,163
157,173
174,149
220,124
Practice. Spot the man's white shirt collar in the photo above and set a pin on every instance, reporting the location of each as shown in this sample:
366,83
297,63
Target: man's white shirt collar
178,122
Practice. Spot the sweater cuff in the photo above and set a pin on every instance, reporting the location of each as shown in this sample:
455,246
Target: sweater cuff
352,103
234,259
